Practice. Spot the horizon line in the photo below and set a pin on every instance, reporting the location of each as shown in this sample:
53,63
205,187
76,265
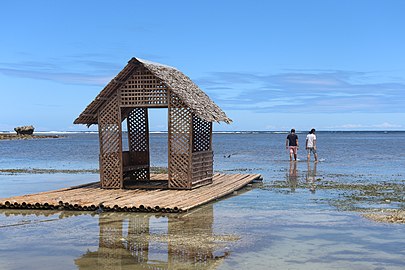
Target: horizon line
222,131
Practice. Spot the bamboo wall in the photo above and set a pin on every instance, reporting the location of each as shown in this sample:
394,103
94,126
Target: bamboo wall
110,136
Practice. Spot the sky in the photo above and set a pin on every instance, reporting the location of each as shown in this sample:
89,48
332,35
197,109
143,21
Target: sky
270,65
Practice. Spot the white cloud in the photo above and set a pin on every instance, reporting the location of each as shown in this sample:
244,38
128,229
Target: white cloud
312,81
351,126
321,91
65,71
386,125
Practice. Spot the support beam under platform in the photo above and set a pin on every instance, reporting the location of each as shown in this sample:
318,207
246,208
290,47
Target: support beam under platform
91,197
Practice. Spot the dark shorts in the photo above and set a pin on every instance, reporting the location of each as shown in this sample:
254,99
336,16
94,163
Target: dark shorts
311,149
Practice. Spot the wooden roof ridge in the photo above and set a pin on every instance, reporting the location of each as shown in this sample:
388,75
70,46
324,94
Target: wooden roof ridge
192,96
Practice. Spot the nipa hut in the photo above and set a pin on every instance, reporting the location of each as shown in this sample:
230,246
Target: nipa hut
139,86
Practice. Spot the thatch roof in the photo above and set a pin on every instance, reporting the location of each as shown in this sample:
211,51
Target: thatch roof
180,84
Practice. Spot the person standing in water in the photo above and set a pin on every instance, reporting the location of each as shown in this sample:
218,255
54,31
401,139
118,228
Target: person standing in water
291,144
310,145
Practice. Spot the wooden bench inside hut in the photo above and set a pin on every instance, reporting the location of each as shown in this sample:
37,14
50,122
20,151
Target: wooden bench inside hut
140,86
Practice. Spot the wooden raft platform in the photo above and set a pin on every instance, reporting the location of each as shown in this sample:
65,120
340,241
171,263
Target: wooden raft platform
90,197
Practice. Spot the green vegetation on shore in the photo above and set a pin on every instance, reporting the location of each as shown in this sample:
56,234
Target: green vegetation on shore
26,137
45,171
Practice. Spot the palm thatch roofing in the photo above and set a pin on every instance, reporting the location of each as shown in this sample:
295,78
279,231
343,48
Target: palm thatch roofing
192,96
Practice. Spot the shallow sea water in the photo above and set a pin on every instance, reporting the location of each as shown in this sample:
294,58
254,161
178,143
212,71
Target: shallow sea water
259,227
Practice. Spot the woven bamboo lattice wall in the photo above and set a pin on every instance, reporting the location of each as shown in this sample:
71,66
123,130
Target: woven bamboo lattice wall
202,131
144,89
109,125
138,142
202,156
180,125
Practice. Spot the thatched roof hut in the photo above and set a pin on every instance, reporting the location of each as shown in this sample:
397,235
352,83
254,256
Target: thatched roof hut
141,85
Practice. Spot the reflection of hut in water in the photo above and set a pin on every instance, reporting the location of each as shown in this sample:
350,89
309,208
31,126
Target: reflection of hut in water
190,239
139,86
127,241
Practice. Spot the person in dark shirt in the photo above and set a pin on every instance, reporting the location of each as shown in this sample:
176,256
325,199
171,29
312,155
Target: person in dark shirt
291,144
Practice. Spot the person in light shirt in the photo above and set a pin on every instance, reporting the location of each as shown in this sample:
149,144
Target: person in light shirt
310,145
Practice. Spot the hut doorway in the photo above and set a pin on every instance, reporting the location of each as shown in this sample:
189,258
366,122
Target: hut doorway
137,148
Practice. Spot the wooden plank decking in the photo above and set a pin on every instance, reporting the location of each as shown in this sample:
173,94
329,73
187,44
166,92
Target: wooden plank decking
91,197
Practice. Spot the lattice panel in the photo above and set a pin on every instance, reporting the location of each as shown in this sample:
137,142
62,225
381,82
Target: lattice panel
111,170
202,168
180,121
109,124
139,174
138,130
202,132
143,88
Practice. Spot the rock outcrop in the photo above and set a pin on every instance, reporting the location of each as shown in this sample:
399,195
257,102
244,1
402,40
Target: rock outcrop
25,130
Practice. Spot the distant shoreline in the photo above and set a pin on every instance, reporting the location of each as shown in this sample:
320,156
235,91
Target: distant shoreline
4,136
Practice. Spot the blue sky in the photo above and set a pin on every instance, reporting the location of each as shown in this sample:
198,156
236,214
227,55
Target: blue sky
270,65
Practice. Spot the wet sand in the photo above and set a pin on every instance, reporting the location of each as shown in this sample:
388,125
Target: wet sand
380,202
387,215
